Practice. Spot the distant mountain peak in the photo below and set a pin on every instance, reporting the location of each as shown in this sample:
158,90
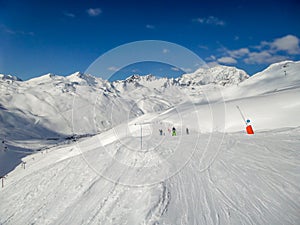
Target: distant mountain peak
75,75
133,78
220,75
137,78
9,77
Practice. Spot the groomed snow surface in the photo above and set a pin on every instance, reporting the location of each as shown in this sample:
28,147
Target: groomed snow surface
216,174
213,179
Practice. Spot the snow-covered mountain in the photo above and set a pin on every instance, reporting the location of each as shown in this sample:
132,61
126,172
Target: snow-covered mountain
277,77
220,75
51,102
9,78
129,174
53,108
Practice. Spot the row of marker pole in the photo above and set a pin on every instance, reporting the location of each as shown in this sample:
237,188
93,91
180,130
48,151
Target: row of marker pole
23,163
4,177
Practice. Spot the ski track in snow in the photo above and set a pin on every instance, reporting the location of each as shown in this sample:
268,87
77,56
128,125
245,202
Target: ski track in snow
243,180
249,186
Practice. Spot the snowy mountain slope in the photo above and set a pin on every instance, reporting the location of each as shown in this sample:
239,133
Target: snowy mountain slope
67,105
51,108
214,175
46,93
283,75
277,77
206,179
266,112
53,100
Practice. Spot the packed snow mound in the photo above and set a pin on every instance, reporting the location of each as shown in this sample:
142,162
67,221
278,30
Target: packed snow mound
220,75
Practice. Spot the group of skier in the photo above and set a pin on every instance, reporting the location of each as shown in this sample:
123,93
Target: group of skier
173,131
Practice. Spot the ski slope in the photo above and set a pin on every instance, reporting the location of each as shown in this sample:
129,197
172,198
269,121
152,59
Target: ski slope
190,179
129,174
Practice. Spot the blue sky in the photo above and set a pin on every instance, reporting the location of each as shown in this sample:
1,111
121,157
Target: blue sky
61,37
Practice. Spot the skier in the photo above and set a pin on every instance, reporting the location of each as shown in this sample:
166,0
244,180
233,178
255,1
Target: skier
173,131
187,131
160,132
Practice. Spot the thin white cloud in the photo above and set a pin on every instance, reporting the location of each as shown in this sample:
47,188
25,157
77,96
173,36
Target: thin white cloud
149,26
211,58
211,20
203,47
212,64
94,11
227,60
68,14
288,43
239,52
187,70
267,52
10,31
113,68
175,69
263,57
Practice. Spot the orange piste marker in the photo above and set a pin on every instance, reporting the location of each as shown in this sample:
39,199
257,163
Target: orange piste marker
249,129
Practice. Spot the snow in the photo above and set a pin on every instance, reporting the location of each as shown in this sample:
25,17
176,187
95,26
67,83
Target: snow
221,75
9,78
122,171
239,180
